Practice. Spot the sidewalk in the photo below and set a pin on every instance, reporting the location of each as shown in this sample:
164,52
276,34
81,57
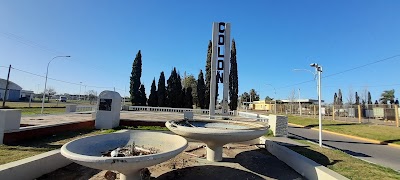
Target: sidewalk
379,154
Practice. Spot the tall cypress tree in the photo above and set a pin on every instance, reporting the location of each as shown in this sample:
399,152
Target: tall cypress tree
153,94
135,83
180,91
142,95
369,98
173,92
340,98
357,99
335,99
233,79
201,87
188,98
161,92
208,75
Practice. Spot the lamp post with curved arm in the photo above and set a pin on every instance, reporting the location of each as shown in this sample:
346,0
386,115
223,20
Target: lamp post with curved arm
45,83
318,71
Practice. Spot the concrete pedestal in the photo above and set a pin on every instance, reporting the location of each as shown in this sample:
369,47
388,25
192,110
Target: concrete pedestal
11,118
70,108
188,115
214,153
278,125
108,113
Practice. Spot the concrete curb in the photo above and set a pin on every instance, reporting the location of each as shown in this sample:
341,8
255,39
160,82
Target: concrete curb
304,166
351,136
33,167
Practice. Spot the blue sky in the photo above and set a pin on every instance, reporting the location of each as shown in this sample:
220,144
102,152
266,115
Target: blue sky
273,38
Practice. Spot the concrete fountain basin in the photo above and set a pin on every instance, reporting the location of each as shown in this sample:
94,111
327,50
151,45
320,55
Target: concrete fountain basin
88,151
217,133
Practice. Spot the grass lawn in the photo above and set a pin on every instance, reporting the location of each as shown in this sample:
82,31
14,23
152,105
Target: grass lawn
21,150
344,164
387,134
34,104
37,110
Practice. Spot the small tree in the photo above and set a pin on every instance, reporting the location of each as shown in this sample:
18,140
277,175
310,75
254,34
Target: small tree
268,98
254,95
50,92
387,95
92,96
190,81
153,94
245,97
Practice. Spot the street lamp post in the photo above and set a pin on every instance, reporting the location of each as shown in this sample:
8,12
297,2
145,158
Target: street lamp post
318,70
274,97
45,82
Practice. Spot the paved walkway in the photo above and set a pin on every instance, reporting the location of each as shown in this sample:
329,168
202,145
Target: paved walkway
380,154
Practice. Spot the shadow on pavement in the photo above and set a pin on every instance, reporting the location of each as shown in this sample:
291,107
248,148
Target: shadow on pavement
72,171
392,141
262,162
353,153
208,172
314,155
340,124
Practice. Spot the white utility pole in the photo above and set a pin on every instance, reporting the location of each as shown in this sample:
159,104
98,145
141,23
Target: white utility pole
318,70
45,82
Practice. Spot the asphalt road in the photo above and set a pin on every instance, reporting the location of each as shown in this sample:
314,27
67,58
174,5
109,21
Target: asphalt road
379,154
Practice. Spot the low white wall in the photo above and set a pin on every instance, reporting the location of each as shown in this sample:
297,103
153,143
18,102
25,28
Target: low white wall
304,166
33,167
178,110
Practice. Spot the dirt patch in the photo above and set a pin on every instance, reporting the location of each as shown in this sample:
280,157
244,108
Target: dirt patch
240,161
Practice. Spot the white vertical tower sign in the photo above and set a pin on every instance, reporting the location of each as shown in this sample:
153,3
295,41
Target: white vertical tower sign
221,53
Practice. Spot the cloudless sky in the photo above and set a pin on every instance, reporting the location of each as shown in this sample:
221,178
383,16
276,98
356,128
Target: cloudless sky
272,38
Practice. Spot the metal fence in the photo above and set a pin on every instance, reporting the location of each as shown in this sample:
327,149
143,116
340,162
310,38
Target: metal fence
385,114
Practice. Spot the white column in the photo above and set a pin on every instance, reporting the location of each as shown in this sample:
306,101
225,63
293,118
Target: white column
213,68
227,59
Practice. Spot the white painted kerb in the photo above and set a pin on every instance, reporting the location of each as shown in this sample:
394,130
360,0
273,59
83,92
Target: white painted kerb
304,166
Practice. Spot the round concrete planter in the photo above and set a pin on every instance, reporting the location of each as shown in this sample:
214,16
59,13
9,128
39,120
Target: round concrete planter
217,136
87,151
